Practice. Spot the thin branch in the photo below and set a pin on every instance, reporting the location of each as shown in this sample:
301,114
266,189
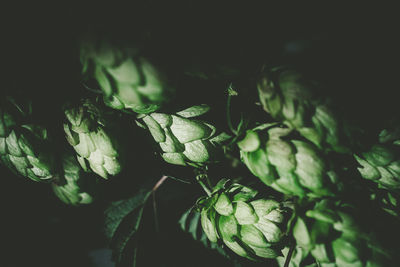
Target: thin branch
208,182
231,93
159,183
156,186
200,179
178,180
156,224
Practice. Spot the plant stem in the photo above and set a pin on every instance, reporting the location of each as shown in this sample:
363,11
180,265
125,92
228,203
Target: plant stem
200,179
205,188
156,224
156,186
179,180
231,92
289,255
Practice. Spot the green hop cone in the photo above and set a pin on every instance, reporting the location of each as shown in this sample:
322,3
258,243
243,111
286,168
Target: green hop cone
381,163
289,164
333,236
251,226
185,140
89,131
289,97
25,146
76,188
128,80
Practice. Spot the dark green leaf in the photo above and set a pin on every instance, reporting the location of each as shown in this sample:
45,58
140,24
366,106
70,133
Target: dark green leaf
122,223
190,223
124,234
117,211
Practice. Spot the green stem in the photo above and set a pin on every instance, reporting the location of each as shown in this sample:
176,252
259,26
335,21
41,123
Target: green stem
179,180
205,188
208,182
228,110
289,255
156,186
203,185
156,224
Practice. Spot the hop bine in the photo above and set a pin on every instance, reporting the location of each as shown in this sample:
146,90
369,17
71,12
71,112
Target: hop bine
289,97
333,236
185,140
381,163
25,146
76,188
287,163
89,131
250,225
128,80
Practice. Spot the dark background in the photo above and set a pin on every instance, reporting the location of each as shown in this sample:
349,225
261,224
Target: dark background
352,48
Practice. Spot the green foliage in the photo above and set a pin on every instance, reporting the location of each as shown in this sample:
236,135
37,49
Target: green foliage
331,232
122,223
327,191
190,222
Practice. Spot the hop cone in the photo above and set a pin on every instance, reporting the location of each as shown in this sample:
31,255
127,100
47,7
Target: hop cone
88,130
381,163
330,232
75,188
251,226
128,80
25,147
290,98
183,139
288,164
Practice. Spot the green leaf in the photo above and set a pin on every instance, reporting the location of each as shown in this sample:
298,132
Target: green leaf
222,137
117,211
242,126
190,223
124,234
122,223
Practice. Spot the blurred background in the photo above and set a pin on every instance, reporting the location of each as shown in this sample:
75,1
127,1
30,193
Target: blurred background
352,48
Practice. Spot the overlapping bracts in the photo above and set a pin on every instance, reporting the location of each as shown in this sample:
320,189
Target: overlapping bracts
88,130
251,226
128,80
185,140
287,163
25,146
